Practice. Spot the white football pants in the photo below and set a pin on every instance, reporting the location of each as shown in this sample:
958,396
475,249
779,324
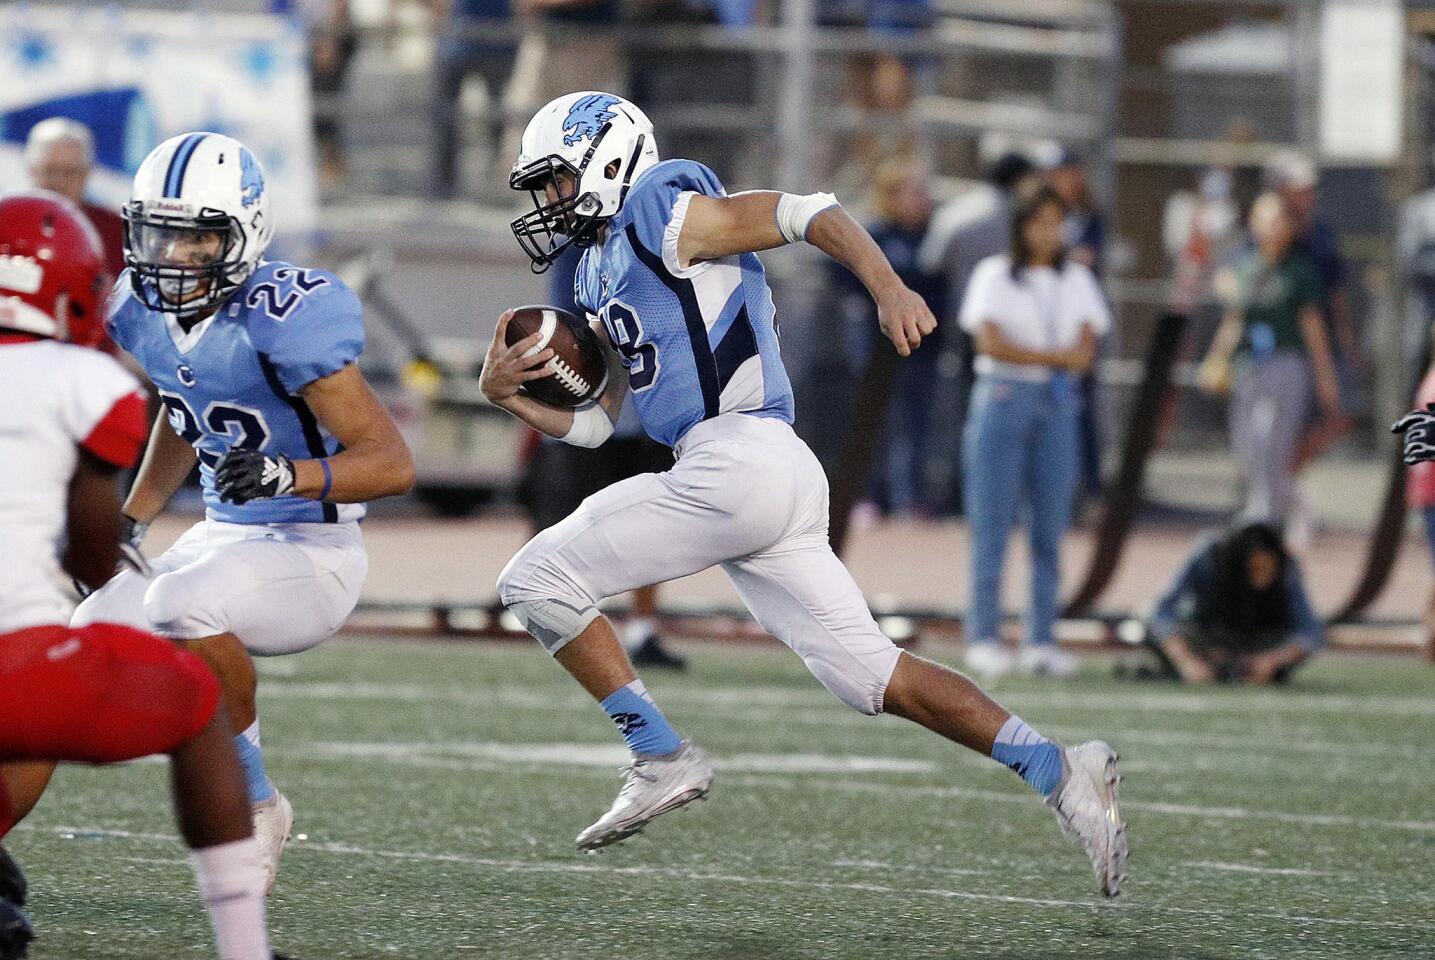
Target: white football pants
747,493
280,588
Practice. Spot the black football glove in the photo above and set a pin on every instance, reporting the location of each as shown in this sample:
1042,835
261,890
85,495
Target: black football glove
1419,430
244,475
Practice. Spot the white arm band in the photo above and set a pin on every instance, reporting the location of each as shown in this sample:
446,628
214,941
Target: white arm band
591,427
794,213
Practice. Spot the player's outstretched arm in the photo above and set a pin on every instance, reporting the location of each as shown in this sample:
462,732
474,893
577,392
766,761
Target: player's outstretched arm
168,460
762,219
375,461
505,369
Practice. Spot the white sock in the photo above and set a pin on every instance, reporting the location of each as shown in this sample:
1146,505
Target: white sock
231,881
637,630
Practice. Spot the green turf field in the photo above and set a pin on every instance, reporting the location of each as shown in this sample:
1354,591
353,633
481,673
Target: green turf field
438,789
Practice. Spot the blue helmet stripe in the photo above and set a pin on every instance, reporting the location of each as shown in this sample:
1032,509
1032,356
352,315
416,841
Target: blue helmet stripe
174,178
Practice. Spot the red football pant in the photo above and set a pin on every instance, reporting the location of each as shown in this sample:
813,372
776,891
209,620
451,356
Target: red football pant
100,694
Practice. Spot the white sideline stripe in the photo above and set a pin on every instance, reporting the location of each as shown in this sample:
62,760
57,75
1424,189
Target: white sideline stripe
557,866
432,755
1250,868
613,755
740,696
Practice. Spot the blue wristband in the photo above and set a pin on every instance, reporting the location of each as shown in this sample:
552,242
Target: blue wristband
328,479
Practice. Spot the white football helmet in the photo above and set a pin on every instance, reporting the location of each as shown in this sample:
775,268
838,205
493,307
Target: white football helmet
589,147
197,223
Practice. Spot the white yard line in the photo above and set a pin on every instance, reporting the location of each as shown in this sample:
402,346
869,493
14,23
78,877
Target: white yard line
1251,868
588,866
609,755
483,756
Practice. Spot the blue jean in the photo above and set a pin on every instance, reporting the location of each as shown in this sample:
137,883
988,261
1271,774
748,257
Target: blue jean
1021,449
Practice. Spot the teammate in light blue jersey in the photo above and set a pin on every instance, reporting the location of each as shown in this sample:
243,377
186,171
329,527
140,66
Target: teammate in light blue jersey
255,364
670,272
234,380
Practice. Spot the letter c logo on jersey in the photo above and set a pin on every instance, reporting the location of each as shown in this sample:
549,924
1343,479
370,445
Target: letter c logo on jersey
586,118
186,375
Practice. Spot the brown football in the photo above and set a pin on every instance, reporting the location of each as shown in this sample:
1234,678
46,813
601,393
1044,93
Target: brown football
579,368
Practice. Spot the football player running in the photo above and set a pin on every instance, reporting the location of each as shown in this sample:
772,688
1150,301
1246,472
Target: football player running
254,362
670,272
72,418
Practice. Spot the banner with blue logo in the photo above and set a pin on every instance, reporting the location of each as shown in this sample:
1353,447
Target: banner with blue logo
138,77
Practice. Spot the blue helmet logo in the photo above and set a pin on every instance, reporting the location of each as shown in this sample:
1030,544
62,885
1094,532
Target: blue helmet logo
587,116
251,179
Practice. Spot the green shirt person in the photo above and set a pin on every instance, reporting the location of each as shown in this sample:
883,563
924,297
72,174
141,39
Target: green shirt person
1277,307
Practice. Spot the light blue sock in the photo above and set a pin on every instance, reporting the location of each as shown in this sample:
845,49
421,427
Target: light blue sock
642,724
246,745
1034,758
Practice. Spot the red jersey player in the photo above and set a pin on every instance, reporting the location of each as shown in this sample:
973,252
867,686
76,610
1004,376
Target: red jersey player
70,419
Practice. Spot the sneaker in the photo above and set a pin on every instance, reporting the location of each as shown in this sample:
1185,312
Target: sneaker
1047,660
16,933
651,787
988,660
652,653
273,824
1085,804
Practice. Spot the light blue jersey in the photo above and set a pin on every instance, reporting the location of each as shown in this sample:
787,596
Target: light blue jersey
697,342
234,379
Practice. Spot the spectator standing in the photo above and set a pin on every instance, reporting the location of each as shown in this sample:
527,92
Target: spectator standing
903,209
1036,317
476,37
333,40
1238,610
1295,177
60,155
1272,345
568,45
965,230
1201,232
1085,232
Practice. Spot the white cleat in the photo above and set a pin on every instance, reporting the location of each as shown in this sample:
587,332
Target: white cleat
1085,804
651,787
273,824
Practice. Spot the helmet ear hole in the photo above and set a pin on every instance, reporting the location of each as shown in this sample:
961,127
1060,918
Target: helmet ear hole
611,170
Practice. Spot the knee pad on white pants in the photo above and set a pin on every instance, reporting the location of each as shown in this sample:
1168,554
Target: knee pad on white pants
545,600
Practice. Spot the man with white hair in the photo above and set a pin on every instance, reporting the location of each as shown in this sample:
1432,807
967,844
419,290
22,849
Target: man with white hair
60,153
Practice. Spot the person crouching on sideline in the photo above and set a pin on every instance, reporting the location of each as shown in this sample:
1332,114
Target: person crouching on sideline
1035,317
1237,611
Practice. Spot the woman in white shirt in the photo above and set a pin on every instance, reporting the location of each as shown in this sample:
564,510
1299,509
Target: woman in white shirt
1035,317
